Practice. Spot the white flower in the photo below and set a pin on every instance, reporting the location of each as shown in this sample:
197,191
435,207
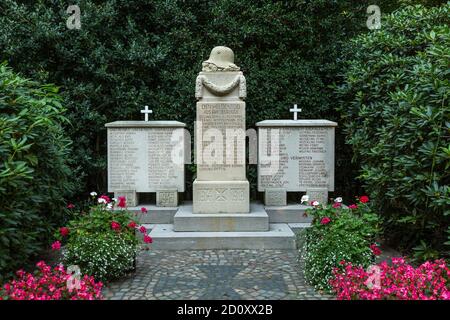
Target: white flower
338,199
93,193
315,203
101,200
109,206
305,198
114,199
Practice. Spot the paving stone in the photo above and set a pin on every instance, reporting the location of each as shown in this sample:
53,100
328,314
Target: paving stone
215,274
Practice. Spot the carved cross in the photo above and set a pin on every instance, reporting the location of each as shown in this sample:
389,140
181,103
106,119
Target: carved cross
146,111
295,111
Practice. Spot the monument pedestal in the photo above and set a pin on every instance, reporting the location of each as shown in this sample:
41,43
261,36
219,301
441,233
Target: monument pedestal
221,197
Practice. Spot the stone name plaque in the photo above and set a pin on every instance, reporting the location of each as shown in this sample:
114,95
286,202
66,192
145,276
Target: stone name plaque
296,154
221,150
141,156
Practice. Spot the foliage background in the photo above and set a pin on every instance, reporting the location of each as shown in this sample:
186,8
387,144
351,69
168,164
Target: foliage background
34,168
130,53
395,107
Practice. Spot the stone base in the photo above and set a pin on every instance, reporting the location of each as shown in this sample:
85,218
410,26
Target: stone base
154,214
221,197
293,213
279,236
186,220
275,197
131,197
167,198
318,194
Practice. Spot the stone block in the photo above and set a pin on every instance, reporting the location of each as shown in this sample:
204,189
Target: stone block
221,196
166,198
275,197
131,197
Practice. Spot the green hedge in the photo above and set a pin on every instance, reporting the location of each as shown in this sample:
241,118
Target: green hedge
34,173
394,103
130,53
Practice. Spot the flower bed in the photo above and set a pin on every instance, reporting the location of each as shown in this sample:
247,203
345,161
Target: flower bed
398,280
102,242
51,284
338,233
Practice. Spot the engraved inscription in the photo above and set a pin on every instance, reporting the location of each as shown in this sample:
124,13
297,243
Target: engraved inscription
221,194
167,198
306,159
221,149
140,159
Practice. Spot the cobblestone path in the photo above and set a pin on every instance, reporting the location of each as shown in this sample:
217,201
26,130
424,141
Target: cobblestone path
215,274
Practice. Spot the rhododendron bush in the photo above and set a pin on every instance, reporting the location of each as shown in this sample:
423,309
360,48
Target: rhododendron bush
398,280
51,284
103,241
338,233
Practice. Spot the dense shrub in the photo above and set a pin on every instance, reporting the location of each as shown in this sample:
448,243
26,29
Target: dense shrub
34,176
129,53
394,102
338,234
102,242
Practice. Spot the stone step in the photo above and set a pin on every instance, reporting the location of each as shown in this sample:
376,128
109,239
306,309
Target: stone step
279,236
256,220
292,213
154,214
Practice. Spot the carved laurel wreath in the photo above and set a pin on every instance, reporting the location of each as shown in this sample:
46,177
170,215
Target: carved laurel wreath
202,80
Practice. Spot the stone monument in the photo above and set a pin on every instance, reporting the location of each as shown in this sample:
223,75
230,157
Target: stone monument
221,185
295,156
146,157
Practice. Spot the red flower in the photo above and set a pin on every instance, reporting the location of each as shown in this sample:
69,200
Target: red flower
375,249
122,202
64,231
325,220
115,225
142,229
70,206
336,205
364,199
353,206
56,245
144,210
132,225
106,198
148,239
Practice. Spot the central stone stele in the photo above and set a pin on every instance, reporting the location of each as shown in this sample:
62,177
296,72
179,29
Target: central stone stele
221,185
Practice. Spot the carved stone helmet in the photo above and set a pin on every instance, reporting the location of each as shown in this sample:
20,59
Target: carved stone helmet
220,59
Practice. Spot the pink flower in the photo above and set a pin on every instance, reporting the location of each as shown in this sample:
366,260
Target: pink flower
115,225
314,203
70,206
325,220
337,205
106,198
56,245
364,199
122,202
144,210
148,239
64,231
142,229
375,249
132,225
353,206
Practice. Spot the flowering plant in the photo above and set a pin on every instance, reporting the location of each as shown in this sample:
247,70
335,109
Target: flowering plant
50,284
397,280
103,241
338,233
